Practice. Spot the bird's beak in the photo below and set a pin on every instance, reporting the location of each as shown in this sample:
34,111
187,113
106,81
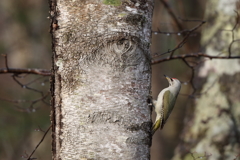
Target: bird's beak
168,78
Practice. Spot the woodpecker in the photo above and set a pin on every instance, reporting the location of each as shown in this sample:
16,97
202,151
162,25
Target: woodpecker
165,102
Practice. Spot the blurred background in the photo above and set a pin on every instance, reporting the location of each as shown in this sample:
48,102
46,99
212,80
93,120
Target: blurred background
25,39
164,141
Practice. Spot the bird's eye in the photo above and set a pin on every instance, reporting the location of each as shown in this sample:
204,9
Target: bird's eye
171,79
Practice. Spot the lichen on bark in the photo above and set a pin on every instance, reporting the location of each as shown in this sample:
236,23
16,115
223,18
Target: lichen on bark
102,61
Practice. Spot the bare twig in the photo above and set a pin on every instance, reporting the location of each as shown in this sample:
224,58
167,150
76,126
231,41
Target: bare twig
29,158
25,86
198,56
6,60
6,70
171,13
170,33
23,73
193,75
190,20
43,72
37,79
184,40
237,156
192,55
32,102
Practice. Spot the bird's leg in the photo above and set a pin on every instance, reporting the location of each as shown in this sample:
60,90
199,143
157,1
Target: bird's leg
150,102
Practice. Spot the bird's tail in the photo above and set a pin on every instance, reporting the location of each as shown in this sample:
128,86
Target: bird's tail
156,125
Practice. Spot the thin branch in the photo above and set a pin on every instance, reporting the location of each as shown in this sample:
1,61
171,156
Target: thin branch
179,33
169,58
193,95
6,60
230,47
29,158
25,86
192,75
184,40
233,38
43,72
199,55
6,70
35,80
174,17
22,73
32,102
190,20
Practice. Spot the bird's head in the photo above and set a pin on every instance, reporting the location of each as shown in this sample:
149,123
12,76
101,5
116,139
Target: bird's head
173,81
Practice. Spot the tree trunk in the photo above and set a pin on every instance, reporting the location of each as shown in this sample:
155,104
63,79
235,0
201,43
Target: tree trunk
102,71
212,130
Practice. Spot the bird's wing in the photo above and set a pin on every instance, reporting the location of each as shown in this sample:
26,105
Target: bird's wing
167,108
156,125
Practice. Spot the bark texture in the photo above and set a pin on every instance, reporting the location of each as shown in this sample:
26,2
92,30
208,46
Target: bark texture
213,130
101,79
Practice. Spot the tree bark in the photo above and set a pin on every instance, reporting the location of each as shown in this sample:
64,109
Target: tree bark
102,71
212,130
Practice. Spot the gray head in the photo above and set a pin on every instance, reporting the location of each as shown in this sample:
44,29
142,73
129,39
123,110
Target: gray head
173,83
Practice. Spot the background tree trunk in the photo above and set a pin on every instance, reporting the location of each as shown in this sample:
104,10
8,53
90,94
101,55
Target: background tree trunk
101,79
212,129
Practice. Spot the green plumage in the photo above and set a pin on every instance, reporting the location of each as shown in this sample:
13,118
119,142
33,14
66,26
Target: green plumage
167,107
168,104
156,126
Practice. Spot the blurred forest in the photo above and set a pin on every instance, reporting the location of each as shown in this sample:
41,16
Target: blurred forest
25,39
164,141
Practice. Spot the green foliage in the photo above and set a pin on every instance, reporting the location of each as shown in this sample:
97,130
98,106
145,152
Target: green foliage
112,2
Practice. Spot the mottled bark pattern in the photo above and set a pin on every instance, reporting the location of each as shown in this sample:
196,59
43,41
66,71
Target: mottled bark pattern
102,79
212,130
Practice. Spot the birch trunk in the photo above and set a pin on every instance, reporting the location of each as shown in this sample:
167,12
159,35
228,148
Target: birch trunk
212,130
101,66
